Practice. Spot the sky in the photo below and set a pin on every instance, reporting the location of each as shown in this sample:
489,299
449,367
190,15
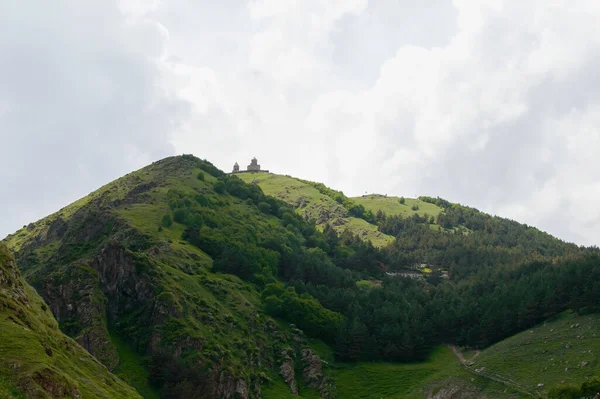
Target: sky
488,103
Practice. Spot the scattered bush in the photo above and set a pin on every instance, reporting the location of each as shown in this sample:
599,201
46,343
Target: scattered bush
166,221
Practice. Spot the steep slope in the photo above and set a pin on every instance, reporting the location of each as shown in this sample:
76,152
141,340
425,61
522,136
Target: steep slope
193,283
36,358
397,206
126,262
560,351
317,204
458,240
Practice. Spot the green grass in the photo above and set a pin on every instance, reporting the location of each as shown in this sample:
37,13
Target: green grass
34,353
413,380
132,368
314,206
277,389
365,230
8,390
391,206
548,354
393,380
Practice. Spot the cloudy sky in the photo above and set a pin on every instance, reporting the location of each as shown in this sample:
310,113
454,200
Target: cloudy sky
493,104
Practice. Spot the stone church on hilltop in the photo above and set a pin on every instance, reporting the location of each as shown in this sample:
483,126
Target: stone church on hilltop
253,167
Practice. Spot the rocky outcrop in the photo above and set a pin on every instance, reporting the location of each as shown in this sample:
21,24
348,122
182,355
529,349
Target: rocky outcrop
38,360
455,389
47,382
312,368
121,279
286,370
77,304
11,284
229,387
312,373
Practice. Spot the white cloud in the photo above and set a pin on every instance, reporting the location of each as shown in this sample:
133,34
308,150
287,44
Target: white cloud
492,103
84,101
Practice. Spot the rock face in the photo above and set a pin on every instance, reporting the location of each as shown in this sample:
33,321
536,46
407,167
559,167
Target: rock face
455,389
286,369
312,368
37,360
103,274
76,301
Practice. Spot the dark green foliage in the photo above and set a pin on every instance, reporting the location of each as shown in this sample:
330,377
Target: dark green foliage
305,311
180,215
588,389
264,207
415,207
353,341
478,241
402,200
167,221
564,391
442,203
203,164
201,176
177,379
220,187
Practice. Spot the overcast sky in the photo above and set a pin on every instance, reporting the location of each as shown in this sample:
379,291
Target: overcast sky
493,104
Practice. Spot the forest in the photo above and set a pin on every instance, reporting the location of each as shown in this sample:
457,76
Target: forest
503,276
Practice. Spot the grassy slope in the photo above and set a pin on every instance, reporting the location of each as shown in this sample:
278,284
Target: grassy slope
548,354
215,308
36,356
391,206
132,368
228,296
315,206
412,380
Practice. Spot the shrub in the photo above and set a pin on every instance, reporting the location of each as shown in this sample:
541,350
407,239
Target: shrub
180,215
264,207
564,392
220,187
402,200
167,221
201,176
415,207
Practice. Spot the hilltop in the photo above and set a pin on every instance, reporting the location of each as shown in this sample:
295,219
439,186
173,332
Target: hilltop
425,233
36,359
318,204
134,272
190,282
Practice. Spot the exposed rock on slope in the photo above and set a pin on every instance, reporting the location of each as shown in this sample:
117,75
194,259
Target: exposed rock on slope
106,265
36,359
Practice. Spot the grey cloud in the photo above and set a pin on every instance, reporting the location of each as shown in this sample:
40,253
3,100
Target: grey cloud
477,104
81,103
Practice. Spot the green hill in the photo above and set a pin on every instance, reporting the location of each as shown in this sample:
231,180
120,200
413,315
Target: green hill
558,352
140,274
36,358
563,351
316,205
397,206
192,283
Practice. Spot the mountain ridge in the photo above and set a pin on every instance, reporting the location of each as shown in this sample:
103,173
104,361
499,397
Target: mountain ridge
226,286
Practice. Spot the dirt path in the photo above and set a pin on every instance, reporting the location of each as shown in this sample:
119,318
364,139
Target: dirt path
461,357
466,363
